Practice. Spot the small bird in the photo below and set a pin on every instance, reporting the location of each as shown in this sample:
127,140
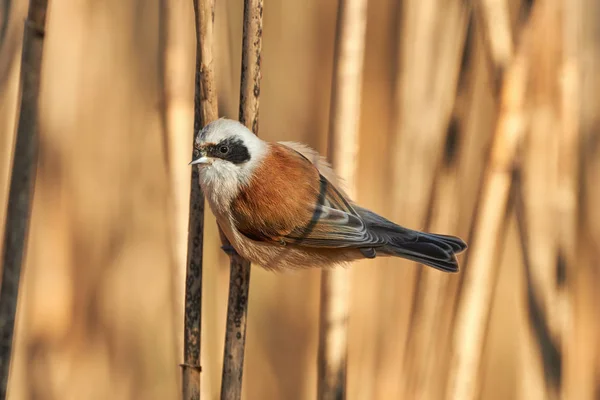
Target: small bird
280,205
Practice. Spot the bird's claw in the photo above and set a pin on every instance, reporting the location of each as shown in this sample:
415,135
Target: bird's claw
229,250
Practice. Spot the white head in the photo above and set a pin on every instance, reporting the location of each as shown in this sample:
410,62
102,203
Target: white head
226,153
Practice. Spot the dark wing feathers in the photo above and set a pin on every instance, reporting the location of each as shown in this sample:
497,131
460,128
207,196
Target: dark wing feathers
437,251
400,235
334,223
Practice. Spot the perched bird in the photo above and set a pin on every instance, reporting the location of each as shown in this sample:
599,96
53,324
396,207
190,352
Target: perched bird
280,206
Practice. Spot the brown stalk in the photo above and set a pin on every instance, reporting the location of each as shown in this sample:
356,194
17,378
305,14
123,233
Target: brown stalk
546,189
581,97
342,152
205,111
494,16
456,194
475,299
22,182
239,279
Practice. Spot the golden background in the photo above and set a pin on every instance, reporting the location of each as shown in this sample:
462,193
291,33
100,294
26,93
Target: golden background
100,312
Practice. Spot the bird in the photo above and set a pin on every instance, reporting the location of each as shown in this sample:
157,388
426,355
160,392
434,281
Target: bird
281,206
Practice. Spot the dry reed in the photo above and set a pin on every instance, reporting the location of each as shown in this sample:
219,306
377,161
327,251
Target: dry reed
494,17
436,170
342,153
177,47
239,279
205,111
476,294
433,194
568,208
538,204
22,181
582,372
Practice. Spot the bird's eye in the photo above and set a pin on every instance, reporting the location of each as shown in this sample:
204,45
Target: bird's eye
223,149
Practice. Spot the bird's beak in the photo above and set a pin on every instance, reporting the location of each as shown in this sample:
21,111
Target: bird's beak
200,159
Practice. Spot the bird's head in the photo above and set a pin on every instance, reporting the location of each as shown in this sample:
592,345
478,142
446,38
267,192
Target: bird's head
226,153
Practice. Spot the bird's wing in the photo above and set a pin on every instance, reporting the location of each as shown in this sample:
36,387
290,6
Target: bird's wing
304,209
334,223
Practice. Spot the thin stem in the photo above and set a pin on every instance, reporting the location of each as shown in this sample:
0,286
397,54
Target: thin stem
205,111
22,182
239,280
343,151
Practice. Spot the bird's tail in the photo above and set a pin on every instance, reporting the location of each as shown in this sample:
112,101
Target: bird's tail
437,251
434,250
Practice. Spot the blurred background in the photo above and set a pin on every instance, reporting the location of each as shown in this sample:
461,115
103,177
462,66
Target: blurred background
101,307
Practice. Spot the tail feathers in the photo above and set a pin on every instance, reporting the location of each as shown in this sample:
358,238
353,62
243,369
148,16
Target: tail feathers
456,244
434,250
437,251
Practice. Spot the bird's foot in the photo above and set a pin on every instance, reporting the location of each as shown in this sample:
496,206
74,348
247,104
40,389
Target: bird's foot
229,250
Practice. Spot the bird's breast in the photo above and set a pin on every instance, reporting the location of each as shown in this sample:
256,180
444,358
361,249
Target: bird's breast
280,196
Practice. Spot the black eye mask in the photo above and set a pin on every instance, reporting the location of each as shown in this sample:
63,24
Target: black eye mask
231,149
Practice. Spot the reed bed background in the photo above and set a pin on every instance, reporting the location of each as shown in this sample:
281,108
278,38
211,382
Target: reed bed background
478,118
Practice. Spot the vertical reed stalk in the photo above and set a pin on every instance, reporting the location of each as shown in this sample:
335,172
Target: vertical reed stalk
448,24
177,69
205,110
537,204
342,152
22,182
583,356
239,280
490,226
568,173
